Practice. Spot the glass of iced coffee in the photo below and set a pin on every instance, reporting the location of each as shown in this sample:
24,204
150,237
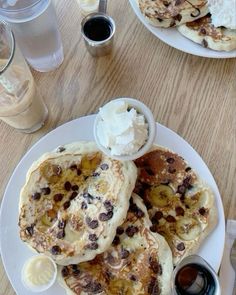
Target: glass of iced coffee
21,105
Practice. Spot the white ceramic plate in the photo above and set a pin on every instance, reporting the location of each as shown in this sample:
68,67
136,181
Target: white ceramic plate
173,38
14,252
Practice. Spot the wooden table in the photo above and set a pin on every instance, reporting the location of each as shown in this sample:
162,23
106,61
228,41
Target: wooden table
195,97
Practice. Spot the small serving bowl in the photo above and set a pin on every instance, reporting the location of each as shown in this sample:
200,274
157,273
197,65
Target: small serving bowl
38,288
142,109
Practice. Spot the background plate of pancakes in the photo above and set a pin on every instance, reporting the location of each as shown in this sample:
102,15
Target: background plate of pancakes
173,38
14,252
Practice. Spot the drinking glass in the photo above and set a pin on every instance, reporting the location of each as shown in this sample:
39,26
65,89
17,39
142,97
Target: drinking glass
20,103
34,24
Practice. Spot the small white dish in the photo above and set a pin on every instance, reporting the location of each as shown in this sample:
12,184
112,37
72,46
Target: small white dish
35,276
142,109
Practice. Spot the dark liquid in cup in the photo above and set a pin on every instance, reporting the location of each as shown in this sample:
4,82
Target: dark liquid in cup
98,29
194,279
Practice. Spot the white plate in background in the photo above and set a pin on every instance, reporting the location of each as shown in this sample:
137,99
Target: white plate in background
14,252
172,37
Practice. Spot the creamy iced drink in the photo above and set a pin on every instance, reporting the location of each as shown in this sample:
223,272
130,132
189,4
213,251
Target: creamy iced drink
20,103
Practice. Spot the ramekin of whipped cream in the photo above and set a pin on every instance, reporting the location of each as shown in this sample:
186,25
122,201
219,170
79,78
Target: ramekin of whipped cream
39,273
124,129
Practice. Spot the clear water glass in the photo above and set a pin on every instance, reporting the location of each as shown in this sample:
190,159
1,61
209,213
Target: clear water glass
35,27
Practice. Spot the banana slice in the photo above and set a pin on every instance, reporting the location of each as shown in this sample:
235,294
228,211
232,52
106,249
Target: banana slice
160,195
188,229
198,200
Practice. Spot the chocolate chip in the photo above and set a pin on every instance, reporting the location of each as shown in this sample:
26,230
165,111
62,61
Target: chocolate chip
178,2
46,190
116,241
74,267
148,204
153,287
58,197
188,169
170,160
73,167
56,250
93,237
104,166
84,205
179,211
181,189
154,220
124,254
93,287
108,205
203,211
154,265
171,170
203,31
131,231
92,246
178,17
154,228
61,234
67,186
30,230
158,215
149,171
56,170
74,187
76,273
95,174
79,172
61,224
186,182
119,230
105,216
204,43
91,223
66,205
65,271
136,210
60,149
180,247
170,218
36,196
133,278
73,196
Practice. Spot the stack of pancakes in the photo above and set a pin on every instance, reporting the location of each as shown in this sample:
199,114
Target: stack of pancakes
192,19
114,227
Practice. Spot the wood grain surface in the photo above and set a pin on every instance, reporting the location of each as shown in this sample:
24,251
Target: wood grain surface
195,97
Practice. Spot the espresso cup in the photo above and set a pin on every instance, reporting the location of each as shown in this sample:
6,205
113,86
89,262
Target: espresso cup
98,31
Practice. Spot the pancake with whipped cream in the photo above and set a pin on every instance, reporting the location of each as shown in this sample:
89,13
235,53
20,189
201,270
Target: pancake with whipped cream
137,262
171,13
181,207
202,31
72,202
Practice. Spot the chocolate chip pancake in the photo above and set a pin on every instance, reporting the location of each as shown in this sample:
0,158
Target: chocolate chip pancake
171,13
72,202
203,32
137,262
180,206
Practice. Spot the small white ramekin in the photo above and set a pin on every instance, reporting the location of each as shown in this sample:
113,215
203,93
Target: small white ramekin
141,109
39,288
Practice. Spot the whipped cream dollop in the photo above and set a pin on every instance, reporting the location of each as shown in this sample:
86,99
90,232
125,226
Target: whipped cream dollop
121,128
223,13
38,273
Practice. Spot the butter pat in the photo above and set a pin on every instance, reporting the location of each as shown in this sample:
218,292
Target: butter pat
121,129
39,273
88,6
223,13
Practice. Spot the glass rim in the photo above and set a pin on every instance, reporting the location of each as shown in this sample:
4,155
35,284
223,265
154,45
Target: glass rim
9,60
20,9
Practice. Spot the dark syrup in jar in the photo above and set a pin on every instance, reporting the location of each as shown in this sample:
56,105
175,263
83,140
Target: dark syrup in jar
98,29
194,279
